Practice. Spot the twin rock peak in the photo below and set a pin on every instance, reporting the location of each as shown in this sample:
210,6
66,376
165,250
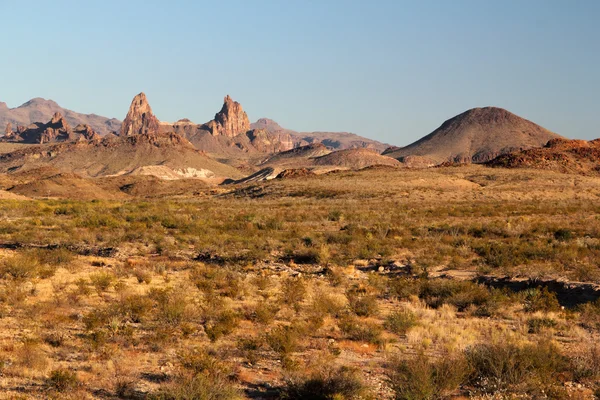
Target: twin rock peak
140,120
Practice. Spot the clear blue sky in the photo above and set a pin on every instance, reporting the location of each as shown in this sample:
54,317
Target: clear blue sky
389,70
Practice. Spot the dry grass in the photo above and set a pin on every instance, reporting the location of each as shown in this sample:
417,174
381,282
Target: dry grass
245,296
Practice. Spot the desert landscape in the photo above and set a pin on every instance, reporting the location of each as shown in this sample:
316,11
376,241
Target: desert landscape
231,260
270,200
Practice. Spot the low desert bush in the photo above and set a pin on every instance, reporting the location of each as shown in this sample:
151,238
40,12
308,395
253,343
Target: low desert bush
362,305
422,378
283,339
502,362
537,324
540,300
400,321
221,324
102,281
293,292
360,330
327,384
197,387
62,380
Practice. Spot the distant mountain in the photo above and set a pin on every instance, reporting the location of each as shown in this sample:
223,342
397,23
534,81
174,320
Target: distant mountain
229,135
560,155
40,110
334,140
315,156
476,136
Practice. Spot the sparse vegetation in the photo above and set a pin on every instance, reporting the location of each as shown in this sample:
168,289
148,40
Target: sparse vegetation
226,297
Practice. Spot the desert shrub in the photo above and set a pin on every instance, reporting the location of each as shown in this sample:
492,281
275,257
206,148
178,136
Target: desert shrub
55,339
101,281
62,380
590,314
362,305
335,276
400,321
293,291
56,256
31,355
221,324
460,294
134,307
335,215
500,363
536,325
359,330
403,288
197,387
540,300
142,275
283,339
262,282
327,384
420,378
249,348
201,361
13,292
586,364
264,313
563,235
20,266
171,304
325,303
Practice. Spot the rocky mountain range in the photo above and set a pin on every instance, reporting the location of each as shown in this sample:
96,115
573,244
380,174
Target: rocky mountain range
40,110
475,136
230,149
333,140
230,122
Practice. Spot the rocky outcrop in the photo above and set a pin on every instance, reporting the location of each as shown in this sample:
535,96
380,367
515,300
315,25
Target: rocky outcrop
56,130
560,155
266,142
139,119
230,121
85,132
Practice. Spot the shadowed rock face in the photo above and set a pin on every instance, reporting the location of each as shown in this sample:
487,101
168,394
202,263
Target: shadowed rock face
139,119
230,121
